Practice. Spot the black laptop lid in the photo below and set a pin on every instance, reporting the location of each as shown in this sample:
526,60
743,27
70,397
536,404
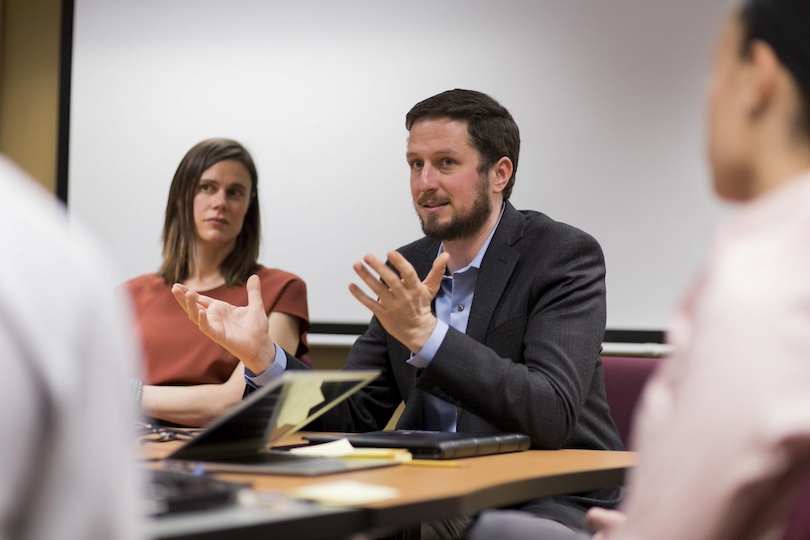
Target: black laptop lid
279,409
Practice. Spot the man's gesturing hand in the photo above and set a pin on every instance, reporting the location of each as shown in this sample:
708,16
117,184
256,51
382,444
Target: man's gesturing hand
403,304
243,331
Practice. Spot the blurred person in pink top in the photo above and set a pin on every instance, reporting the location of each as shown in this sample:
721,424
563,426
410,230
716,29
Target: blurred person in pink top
723,431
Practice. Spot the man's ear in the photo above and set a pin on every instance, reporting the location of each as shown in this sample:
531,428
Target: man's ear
500,173
764,75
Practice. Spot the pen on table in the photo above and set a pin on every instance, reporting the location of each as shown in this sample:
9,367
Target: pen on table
434,463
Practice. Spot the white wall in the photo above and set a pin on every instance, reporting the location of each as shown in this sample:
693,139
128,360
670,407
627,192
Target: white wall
608,95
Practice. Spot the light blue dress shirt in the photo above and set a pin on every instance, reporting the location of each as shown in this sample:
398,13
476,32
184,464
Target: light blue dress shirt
453,303
272,373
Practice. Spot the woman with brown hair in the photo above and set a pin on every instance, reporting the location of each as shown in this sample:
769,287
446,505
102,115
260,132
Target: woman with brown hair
211,238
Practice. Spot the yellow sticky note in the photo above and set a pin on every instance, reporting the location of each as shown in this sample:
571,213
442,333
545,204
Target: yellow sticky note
342,448
345,493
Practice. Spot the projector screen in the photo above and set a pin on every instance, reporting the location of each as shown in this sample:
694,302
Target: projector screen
608,95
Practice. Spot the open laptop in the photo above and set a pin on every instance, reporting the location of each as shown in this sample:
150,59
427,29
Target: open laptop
238,441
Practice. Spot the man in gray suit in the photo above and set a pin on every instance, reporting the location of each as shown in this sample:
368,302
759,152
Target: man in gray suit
491,323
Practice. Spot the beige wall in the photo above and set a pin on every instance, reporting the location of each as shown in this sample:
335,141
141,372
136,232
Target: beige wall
29,85
29,104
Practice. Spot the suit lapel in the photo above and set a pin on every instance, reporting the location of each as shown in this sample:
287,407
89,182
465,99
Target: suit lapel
496,269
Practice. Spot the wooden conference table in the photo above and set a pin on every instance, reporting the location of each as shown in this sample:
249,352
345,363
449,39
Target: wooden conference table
425,493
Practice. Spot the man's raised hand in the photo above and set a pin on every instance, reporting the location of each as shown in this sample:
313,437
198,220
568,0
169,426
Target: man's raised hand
403,304
242,331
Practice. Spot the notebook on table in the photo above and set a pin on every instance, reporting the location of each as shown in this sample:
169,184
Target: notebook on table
436,444
238,441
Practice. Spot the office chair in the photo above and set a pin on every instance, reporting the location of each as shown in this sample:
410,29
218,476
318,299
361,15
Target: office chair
799,523
624,380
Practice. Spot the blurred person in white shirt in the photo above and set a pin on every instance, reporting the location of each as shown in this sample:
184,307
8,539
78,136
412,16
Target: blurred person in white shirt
67,460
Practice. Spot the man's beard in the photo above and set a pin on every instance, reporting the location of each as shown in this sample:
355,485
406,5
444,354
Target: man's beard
460,226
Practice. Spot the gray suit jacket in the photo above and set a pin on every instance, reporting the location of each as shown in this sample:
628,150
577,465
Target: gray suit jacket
529,362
